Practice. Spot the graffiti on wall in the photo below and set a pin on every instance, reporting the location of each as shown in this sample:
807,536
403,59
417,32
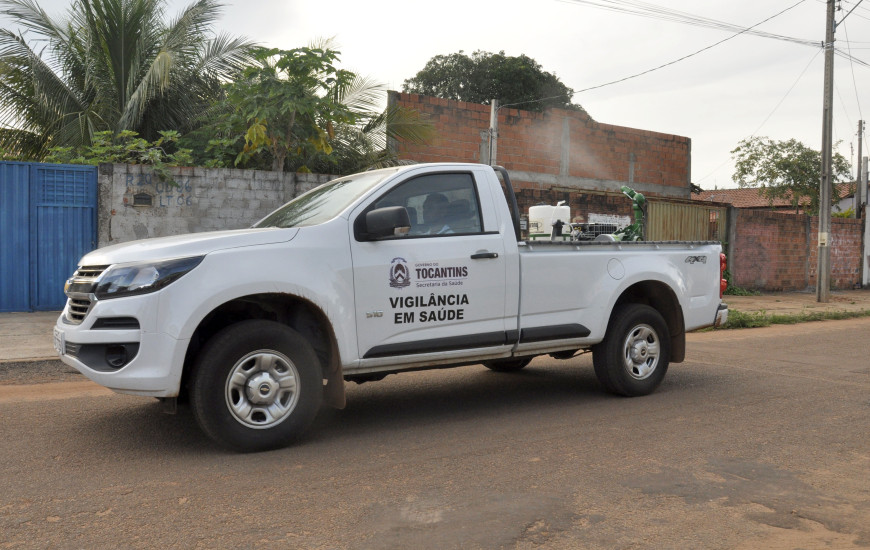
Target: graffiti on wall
167,194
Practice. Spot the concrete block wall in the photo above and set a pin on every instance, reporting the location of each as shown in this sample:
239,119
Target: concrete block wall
777,251
136,204
554,148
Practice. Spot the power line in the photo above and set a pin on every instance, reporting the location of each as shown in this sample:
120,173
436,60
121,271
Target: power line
863,8
781,101
848,14
852,67
845,111
787,93
850,57
573,93
653,11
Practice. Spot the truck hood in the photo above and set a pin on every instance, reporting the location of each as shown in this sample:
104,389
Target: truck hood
180,246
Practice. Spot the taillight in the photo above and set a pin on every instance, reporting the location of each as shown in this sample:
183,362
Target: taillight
723,283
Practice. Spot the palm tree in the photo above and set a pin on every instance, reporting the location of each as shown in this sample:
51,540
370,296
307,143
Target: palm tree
109,65
366,144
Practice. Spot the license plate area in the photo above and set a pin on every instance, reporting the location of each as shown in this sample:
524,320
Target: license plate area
59,341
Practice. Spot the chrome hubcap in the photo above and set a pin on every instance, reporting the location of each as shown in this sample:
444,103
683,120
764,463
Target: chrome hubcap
641,352
262,389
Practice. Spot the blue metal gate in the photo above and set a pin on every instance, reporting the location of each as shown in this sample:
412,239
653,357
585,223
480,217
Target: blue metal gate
14,237
48,220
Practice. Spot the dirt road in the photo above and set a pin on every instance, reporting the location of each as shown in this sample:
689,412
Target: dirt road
761,439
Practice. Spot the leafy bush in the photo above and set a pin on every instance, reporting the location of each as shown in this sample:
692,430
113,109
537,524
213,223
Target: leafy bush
127,148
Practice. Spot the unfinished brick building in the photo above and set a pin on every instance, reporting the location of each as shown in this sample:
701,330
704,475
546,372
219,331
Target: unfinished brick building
556,155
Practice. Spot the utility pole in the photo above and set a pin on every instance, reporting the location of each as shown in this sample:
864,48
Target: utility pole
493,131
865,170
861,212
859,178
823,274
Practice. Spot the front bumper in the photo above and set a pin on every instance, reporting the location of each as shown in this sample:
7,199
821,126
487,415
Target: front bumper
138,361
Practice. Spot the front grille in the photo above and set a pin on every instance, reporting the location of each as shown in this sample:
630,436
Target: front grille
79,289
78,309
89,271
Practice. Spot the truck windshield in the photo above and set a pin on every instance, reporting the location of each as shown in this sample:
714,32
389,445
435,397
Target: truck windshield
323,203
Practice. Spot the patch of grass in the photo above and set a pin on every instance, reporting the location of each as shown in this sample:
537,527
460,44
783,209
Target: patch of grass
740,291
739,319
734,290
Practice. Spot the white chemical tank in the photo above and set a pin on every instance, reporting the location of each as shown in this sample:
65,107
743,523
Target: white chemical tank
543,216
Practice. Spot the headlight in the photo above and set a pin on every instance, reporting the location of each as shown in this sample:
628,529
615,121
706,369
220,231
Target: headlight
129,280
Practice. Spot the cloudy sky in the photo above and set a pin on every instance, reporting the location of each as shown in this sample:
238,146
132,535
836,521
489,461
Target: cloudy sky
747,85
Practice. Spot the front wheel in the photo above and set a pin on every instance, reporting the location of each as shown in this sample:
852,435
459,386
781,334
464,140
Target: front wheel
633,357
256,385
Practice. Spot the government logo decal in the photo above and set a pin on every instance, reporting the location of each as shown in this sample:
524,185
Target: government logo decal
400,275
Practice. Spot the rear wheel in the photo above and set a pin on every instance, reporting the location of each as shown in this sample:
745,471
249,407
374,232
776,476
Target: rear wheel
633,358
256,385
508,365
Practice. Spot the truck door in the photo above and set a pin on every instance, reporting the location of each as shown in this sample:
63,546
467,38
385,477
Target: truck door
441,287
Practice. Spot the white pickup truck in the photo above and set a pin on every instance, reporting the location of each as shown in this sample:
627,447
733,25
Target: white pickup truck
391,270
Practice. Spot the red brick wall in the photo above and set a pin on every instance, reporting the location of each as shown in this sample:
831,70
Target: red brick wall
845,252
779,251
532,142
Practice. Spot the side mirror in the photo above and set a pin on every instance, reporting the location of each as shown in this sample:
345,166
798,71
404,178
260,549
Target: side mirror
390,221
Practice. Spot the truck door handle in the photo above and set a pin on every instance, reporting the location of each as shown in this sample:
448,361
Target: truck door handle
484,255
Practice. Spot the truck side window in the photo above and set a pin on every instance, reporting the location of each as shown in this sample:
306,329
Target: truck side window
438,204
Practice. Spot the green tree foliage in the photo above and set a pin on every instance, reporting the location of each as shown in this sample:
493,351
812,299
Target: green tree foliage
847,213
785,170
109,65
296,110
289,103
484,76
364,144
127,148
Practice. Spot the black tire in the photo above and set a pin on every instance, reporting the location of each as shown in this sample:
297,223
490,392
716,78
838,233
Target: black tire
633,358
508,365
256,385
